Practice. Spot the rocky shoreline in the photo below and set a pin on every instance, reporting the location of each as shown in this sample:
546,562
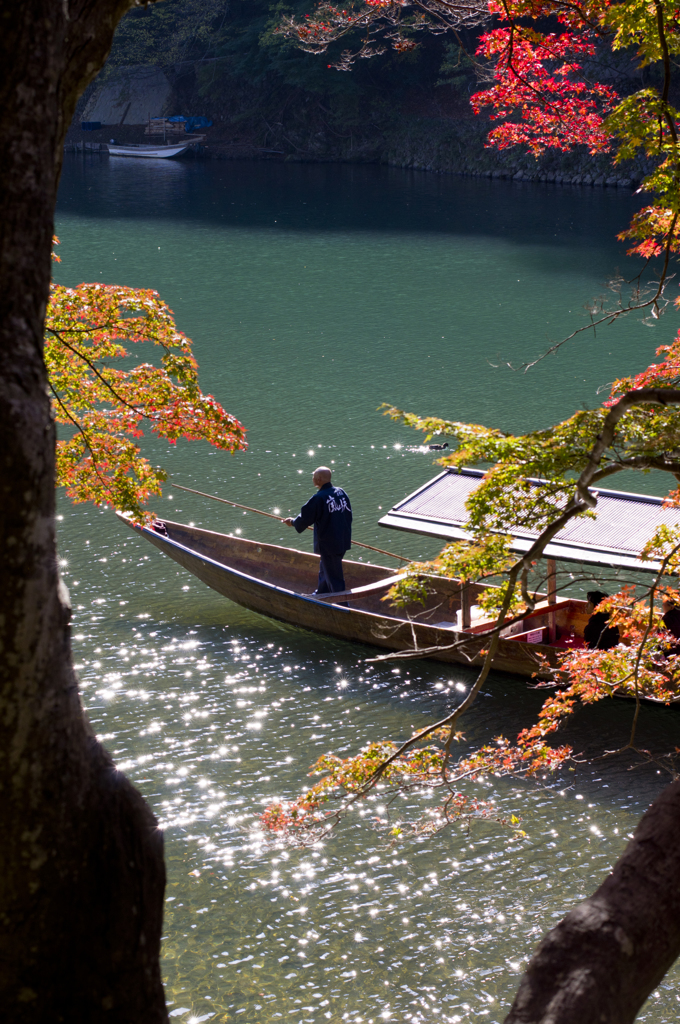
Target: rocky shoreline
459,147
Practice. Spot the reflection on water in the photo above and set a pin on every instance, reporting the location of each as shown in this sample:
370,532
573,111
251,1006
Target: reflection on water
212,710
120,168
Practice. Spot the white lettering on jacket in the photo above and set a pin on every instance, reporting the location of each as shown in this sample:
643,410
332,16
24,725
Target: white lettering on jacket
334,505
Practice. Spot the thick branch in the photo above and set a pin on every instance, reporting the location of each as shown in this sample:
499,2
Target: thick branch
601,962
107,384
641,396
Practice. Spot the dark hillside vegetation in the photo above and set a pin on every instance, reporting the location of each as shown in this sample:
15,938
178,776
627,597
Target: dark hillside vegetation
267,97
227,62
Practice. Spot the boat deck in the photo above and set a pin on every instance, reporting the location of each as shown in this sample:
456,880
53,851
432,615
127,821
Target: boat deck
558,625
283,567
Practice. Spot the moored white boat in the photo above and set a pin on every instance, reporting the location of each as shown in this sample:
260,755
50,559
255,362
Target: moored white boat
149,151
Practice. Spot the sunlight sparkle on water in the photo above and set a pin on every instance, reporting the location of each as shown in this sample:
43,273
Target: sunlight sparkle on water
214,785
255,932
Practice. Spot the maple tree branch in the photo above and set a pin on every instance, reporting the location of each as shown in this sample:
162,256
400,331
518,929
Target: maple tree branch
667,253
511,65
548,104
636,667
86,439
650,621
105,382
636,462
451,719
614,314
321,828
578,9
581,502
640,396
666,68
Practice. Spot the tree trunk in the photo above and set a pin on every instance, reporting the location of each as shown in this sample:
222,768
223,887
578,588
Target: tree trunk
601,962
81,859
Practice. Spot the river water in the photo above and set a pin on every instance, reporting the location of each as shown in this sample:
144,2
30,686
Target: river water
313,293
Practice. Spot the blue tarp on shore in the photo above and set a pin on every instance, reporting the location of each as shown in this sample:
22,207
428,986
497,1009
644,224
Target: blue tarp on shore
191,123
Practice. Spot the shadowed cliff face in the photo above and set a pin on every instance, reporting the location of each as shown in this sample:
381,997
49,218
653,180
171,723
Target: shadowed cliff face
130,95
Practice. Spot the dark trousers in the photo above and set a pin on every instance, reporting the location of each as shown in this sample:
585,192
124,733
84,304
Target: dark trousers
331,577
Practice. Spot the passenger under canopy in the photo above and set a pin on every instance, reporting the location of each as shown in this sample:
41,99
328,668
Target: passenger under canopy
623,525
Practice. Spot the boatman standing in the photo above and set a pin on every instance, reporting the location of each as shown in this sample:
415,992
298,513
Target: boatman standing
330,513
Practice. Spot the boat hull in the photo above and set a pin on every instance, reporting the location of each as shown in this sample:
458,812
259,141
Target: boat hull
277,582
148,153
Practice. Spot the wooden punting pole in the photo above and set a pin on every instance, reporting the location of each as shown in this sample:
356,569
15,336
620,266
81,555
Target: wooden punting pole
235,504
552,598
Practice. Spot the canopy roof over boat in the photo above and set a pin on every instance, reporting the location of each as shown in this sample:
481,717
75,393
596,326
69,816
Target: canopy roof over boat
624,522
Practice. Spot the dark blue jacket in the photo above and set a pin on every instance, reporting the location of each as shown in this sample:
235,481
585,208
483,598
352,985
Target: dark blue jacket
330,513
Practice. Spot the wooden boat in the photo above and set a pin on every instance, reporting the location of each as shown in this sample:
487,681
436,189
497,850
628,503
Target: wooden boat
162,152
278,582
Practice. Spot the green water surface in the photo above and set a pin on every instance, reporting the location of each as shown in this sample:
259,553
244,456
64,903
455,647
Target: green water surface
313,293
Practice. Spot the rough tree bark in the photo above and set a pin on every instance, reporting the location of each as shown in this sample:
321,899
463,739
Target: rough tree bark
81,859
81,865
601,962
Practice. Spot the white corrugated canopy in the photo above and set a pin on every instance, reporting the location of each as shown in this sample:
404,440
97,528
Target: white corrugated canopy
624,522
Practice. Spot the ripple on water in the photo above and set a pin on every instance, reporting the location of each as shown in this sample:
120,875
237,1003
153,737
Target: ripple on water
212,727
213,720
